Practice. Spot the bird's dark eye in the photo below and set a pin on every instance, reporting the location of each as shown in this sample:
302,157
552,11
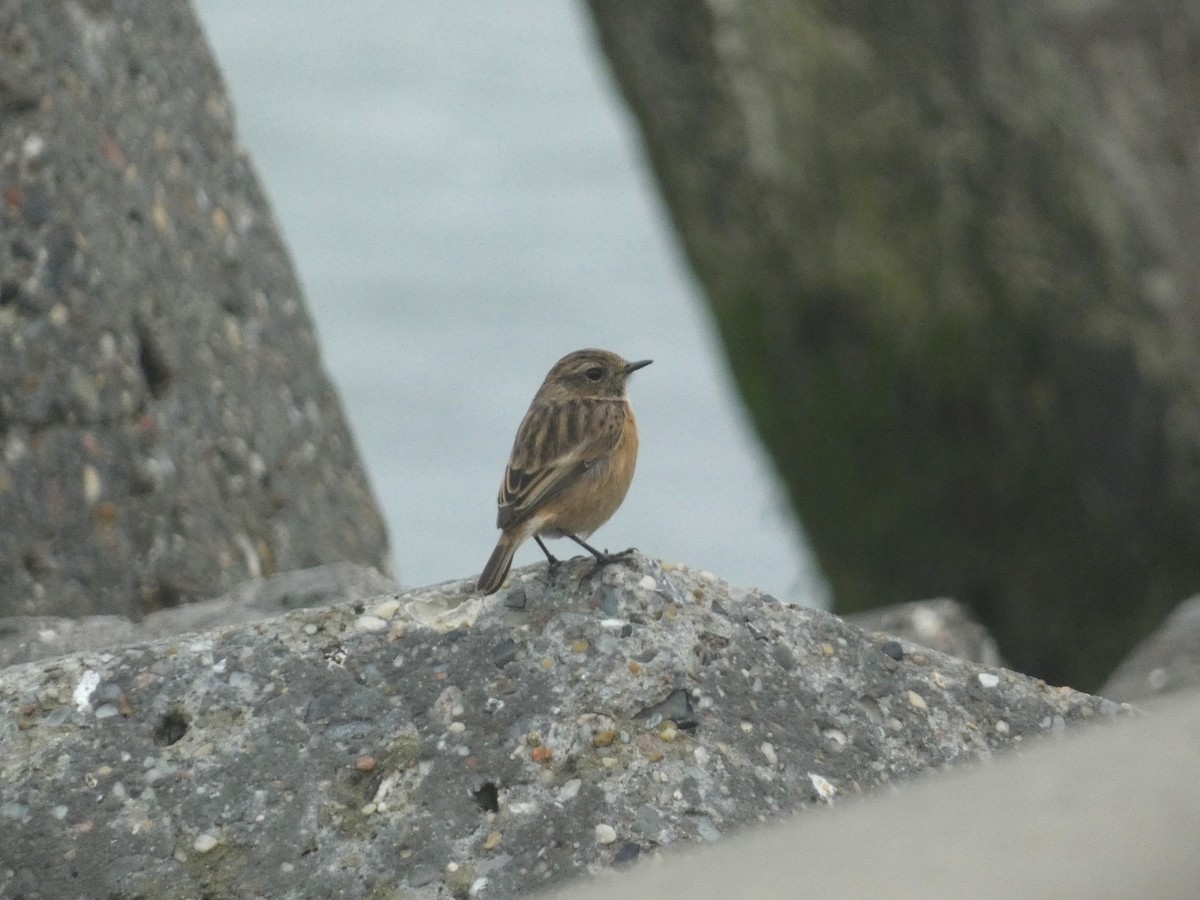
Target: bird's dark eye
595,373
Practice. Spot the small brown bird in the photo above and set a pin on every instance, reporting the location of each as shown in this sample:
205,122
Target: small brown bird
572,460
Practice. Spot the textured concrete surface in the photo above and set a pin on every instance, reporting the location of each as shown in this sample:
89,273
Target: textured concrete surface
1107,815
166,428
435,743
30,638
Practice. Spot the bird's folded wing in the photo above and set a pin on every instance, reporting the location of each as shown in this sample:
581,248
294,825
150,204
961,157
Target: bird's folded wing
556,444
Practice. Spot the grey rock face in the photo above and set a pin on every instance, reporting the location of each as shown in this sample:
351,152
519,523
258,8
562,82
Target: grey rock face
436,743
942,625
30,638
166,429
953,251
1165,663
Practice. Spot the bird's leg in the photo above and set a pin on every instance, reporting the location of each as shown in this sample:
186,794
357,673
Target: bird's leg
553,563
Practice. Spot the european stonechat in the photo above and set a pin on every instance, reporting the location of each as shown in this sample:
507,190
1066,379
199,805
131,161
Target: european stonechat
572,460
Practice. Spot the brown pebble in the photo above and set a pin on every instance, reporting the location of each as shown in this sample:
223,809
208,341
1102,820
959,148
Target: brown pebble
579,646
650,747
124,707
365,763
635,667
604,738
105,514
541,755
491,840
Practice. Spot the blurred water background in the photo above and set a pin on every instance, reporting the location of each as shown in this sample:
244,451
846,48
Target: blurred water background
465,199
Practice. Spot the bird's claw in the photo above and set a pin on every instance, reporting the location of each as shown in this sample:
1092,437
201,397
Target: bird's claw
606,558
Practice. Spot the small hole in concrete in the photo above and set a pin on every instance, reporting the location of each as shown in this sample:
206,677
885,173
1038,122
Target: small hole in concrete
153,361
172,727
488,797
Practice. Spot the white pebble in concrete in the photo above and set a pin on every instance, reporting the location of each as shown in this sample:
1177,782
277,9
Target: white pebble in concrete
370,623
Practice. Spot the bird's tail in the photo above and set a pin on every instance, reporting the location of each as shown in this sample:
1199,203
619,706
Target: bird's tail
498,564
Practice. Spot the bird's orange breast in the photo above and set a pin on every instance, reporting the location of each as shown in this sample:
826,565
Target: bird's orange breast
591,501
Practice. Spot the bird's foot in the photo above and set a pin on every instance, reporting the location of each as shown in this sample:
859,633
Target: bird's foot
605,559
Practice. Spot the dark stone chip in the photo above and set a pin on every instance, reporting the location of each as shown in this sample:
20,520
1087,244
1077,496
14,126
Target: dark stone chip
627,855
610,600
677,707
784,656
506,651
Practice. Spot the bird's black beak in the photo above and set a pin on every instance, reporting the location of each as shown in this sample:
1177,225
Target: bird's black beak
634,366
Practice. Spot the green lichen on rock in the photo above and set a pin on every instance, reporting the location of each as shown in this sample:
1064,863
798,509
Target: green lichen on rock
948,257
